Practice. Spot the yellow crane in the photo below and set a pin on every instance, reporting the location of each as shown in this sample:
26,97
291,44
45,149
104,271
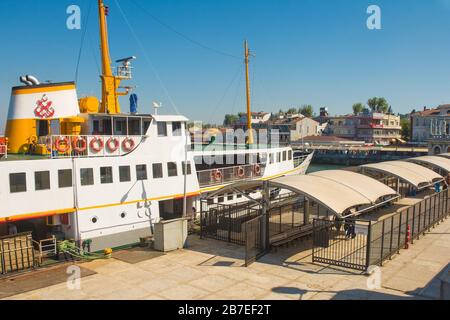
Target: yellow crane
110,82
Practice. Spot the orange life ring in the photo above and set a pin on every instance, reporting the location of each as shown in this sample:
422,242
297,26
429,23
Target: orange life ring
113,144
257,169
241,172
97,145
217,175
62,144
128,144
79,145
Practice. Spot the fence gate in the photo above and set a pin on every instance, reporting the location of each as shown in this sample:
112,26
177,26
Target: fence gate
341,244
253,240
16,253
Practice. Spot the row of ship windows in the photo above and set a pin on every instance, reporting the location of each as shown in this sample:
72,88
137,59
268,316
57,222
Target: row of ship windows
280,156
18,181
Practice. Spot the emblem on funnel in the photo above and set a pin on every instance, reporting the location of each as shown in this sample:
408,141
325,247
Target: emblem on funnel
44,108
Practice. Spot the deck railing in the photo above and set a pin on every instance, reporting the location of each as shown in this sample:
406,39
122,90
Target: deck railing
230,174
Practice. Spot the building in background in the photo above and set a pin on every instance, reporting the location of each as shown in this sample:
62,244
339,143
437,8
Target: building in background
371,127
433,127
421,123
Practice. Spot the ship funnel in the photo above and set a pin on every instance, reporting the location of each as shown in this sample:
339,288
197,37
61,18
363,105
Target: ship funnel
25,81
33,80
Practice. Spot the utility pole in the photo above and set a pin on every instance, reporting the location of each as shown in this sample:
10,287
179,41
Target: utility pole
250,140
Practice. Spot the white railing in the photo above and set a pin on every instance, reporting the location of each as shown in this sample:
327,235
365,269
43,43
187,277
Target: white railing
46,248
299,160
230,174
83,146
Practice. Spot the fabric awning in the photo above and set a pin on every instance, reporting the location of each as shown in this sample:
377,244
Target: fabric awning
415,174
370,188
434,161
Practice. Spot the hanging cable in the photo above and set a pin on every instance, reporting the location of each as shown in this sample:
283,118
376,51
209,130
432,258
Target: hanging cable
225,93
185,37
147,57
80,52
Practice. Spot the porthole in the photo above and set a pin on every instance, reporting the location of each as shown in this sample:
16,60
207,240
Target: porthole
123,215
94,220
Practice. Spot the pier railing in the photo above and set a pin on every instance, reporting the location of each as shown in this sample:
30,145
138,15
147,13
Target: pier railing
358,243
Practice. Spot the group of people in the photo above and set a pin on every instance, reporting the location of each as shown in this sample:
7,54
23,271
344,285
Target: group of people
349,227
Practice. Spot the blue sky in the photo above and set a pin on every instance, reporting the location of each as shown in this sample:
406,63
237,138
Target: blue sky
317,52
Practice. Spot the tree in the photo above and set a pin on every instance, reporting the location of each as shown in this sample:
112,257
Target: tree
292,111
406,128
358,108
378,104
307,110
230,120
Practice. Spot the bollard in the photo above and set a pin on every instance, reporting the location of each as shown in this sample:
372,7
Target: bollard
408,237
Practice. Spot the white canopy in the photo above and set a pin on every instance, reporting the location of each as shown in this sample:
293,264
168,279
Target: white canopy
439,162
370,188
412,173
336,196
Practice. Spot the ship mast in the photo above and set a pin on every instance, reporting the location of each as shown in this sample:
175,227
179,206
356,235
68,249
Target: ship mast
250,140
110,83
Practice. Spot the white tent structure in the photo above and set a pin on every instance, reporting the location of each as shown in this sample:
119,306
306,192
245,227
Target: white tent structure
440,163
416,175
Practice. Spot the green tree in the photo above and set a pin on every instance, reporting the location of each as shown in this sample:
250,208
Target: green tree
230,120
406,128
358,108
378,104
307,110
292,111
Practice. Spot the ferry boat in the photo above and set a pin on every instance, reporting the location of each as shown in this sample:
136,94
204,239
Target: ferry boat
81,169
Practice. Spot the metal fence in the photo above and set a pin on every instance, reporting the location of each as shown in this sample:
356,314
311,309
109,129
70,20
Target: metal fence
225,222
253,245
358,244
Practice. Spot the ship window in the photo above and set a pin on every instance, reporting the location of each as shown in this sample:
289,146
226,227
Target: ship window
239,196
230,197
290,154
176,129
125,174
272,158
279,157
189,168
221,199
141,172
284,155
157,171
172,169
106,175
162,129
65,178
42,180
18,182
87,177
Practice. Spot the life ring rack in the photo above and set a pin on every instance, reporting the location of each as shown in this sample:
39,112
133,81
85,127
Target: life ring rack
257,169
